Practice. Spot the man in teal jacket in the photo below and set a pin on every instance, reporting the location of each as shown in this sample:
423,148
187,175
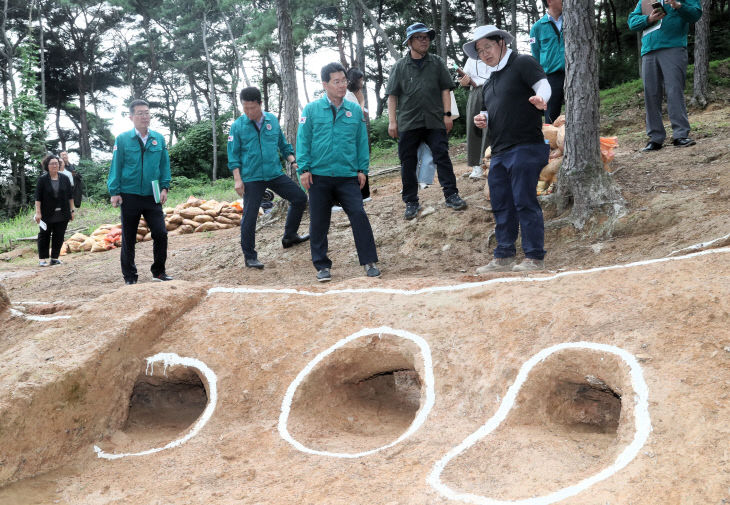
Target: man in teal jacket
332,151
255,147
140,159
548,48
664,66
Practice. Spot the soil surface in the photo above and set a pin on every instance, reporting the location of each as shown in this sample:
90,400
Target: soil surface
69,383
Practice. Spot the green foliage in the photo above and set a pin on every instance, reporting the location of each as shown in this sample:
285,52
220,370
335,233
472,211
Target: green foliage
192,156
379,133
94,174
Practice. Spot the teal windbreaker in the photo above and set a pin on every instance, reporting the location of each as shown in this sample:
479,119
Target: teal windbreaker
256,153
335,146
134,168
548,45
674,26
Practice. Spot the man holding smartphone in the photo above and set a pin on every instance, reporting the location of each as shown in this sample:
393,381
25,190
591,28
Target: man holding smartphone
664,65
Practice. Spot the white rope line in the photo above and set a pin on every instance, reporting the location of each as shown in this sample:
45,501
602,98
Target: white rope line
417,421
17,313
642,425
463,286
170,359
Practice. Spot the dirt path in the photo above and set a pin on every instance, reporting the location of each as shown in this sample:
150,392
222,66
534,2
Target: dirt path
449,355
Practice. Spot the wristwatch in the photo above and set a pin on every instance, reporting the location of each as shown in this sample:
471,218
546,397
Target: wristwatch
447,113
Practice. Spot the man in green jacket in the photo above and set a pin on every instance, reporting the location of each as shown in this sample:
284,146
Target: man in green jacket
333,156
140,160
548,48
255,147
664,65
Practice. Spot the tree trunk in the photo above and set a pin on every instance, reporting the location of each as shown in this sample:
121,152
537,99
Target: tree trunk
84,143
514,25
480,13
496,13
41,53
702,58
212,97
304,78
239,58
360,52
384,36
194,95
444,28
582,178
288,74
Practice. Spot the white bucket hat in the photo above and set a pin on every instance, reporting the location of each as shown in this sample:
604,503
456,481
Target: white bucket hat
482,32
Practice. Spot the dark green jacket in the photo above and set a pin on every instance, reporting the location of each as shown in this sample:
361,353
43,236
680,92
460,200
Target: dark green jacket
329,145
134,168
419,92
548,45
256,153
674,26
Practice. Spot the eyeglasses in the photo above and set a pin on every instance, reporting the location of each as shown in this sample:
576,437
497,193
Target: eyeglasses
487,48
338,82
142,114
421,37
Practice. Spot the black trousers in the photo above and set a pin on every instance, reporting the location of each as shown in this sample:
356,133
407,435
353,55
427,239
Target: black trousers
438,142
52,235
554,105
346,190
133,207
285,188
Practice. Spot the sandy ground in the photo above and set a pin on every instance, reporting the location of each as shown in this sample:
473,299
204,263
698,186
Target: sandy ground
68,384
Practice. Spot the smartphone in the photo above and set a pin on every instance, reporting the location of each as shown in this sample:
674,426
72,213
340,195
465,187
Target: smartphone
658,5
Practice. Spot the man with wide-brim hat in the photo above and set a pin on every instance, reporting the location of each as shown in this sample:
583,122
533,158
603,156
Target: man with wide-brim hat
419,110
514,97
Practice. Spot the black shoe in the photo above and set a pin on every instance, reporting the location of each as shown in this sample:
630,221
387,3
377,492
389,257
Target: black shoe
255,264
286,243
683,142
455,202
161,277
371,270
412,209
652,146
56,261
130,281
324,275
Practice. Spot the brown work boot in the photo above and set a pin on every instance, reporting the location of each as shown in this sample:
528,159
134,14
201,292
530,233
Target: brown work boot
497,265
529,265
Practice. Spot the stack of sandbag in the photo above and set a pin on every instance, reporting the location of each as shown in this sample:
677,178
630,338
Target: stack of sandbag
555,135
196,215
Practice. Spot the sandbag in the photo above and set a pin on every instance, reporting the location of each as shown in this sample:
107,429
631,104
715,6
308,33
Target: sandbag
140,237
190,222
550,171
185,228
550,133
77,237
211,212
208,205
147,237
87,244
175,219
191,212
171,226
561,138
560,121
168,210
203,218
209,226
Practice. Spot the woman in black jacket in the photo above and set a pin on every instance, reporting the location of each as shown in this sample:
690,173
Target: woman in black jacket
54,208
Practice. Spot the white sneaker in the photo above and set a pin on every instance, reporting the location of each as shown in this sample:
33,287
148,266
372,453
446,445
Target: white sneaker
43,263
422,185
336,208
476,172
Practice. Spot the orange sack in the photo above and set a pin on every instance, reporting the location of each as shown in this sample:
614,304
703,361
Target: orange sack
608,144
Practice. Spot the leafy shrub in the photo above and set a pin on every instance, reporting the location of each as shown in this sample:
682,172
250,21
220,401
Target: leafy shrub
192,156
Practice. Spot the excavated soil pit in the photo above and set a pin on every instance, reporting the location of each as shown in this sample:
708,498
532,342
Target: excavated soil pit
361,397
161,408
569,413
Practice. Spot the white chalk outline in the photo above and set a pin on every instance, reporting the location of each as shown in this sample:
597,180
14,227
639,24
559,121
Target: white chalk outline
642,422
459,287
169,359
417,421
18,313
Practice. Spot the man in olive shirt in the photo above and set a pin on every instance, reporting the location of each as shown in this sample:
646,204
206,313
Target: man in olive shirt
419,89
